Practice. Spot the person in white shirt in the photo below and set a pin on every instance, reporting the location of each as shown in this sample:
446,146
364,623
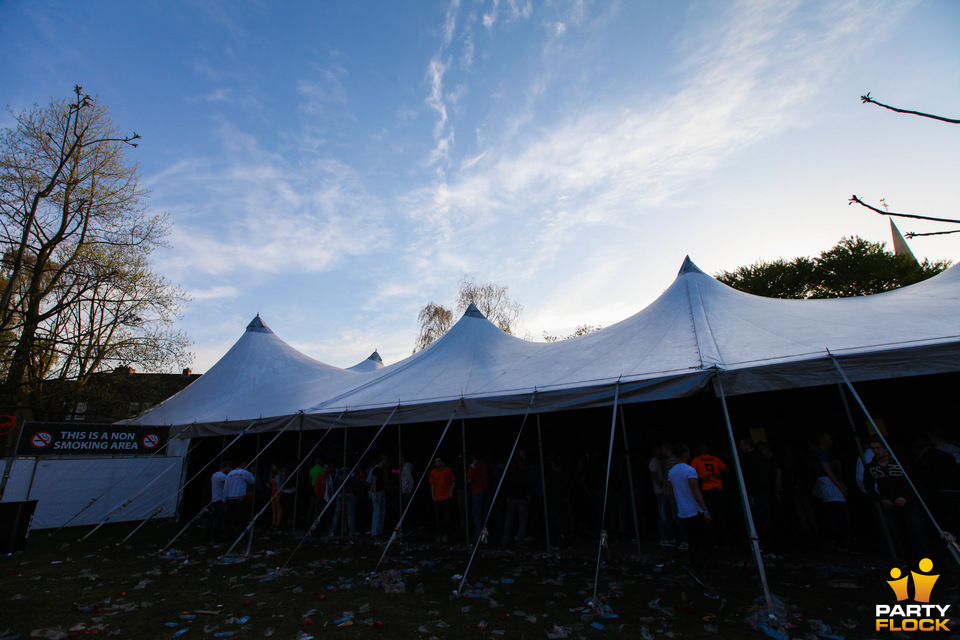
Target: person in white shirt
691,507
236,488
218,503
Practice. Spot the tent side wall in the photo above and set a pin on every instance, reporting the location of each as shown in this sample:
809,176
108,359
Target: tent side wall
64,486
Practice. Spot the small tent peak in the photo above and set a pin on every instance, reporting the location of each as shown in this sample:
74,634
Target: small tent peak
257,325
473,312
375,356
688,267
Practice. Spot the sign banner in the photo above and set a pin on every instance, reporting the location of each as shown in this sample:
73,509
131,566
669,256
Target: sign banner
86,439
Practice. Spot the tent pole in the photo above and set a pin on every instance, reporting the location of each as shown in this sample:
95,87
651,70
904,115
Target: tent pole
946,536
106,491
343,499
139,526
466,494
606,490
543,483
426,471
340,487
493,500
8,465
748,514
129,500
296,489
861,456
253,520
253,502
633,497
204,509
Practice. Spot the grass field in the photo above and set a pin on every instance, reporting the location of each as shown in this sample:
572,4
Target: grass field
60,587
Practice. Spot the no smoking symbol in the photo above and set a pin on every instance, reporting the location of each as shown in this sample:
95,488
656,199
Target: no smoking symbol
41,440
150,441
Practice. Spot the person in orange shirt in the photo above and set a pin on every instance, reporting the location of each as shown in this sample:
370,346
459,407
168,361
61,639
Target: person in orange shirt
710,470
442,484
478,478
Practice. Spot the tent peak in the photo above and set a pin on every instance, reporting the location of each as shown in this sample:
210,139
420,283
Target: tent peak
375,356
257,326
473,312
688,267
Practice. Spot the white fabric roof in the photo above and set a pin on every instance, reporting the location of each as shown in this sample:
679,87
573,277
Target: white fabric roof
260,376
695,329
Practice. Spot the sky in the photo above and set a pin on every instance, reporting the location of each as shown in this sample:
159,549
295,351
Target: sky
335,165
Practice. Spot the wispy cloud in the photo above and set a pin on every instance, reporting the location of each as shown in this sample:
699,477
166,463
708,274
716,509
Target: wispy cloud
530,194
273,217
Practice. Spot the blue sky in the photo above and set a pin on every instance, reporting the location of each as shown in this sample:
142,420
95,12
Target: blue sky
336,165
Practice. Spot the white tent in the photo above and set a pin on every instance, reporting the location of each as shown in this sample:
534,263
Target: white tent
261,376
696,329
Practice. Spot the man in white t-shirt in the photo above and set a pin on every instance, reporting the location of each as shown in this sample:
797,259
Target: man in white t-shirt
691,507
218,503
236,487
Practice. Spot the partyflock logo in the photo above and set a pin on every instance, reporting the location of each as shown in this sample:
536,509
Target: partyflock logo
921,616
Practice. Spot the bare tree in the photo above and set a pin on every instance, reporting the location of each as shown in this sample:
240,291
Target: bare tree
491,299
435,320
581,330
78,293
866,99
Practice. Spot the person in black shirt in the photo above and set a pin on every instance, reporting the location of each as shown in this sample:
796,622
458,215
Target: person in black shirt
901,509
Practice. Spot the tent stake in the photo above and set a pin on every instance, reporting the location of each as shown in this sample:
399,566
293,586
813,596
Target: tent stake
751,529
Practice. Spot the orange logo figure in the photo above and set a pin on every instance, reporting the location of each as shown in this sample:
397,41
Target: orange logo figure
898,584
923,583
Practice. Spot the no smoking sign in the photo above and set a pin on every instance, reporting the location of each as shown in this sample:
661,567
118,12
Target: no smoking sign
41,440
150,441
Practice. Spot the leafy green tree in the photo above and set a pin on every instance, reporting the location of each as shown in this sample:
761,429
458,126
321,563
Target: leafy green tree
854,267
78,293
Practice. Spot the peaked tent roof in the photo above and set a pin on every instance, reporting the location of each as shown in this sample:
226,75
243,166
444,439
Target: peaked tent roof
372,363
696,329
261,376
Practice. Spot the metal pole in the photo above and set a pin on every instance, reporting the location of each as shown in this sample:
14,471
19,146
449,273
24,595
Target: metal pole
606,490
543,483
426,472
296,486
496,492
863,461
466,494
944,535
633,497
748,514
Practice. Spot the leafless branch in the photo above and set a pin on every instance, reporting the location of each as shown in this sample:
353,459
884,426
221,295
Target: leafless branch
867,99
900,215
932,233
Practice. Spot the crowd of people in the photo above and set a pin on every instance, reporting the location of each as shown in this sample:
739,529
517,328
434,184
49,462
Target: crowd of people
797,492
